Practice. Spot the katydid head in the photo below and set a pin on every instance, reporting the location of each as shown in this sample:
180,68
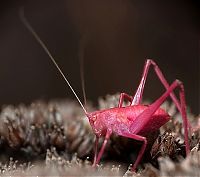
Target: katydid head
95,119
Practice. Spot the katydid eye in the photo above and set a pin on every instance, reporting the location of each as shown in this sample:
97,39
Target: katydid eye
94,118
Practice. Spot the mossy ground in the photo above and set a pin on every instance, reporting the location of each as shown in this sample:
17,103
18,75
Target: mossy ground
55,139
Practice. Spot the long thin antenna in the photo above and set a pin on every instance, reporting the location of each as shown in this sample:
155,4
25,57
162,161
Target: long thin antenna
29,27
81,60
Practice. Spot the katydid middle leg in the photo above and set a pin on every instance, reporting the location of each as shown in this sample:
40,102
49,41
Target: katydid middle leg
142,150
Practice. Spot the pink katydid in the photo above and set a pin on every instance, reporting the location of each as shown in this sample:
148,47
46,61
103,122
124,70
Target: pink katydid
134,121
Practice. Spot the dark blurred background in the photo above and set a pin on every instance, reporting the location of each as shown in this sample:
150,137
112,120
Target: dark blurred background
114,37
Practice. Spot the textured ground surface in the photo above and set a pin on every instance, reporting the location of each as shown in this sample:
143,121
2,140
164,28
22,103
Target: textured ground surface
55,139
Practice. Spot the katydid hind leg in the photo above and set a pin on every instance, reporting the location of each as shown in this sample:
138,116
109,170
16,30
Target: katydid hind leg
144,117
138,95
165,83
172,95
142,150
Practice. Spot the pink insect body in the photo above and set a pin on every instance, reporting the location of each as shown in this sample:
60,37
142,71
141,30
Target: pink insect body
136,120
121,120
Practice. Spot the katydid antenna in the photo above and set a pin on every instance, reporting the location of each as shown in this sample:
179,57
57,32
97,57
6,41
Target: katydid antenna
32,31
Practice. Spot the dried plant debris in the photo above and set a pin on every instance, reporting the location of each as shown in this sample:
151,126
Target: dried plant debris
184,167
56,165
14,167
166,145
32,129
55,139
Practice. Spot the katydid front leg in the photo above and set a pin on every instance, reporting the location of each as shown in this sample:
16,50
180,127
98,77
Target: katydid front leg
122,97
107,137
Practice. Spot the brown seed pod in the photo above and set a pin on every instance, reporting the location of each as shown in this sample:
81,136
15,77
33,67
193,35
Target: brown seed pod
166,145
